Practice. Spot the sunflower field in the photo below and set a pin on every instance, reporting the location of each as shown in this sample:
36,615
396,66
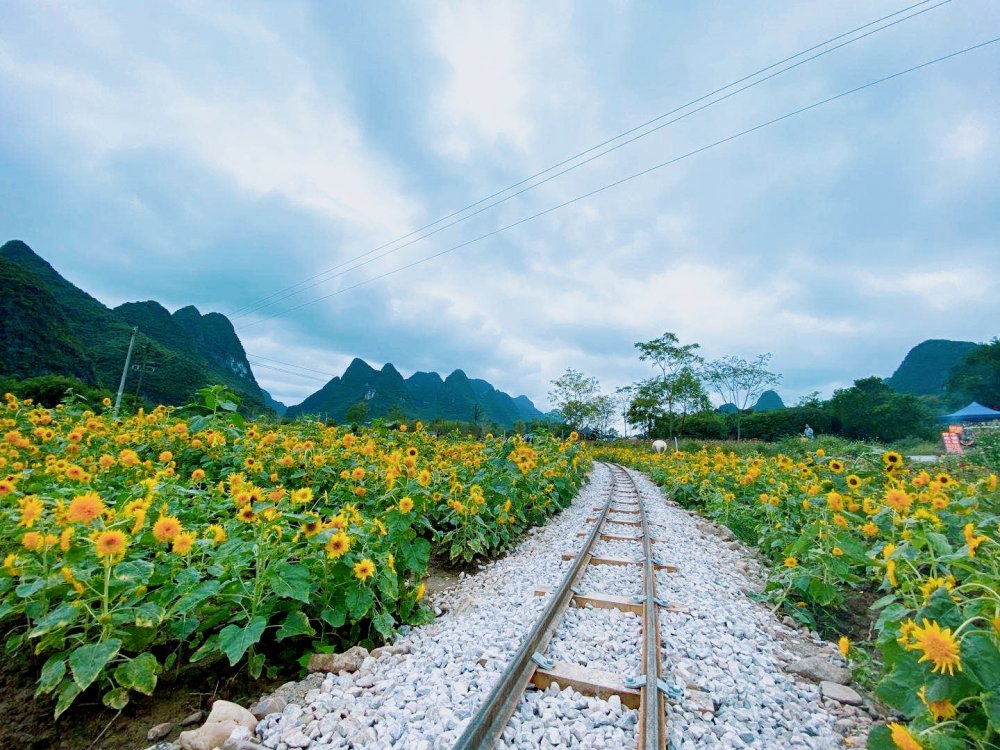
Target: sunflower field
837,527
129,547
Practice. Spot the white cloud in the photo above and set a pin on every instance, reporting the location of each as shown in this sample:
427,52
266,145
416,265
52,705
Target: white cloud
968,140
274,134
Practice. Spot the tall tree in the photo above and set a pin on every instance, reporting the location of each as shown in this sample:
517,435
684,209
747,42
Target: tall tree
740,382
872,409
678,380
574,395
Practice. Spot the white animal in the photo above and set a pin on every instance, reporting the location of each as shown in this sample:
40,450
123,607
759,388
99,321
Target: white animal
659,446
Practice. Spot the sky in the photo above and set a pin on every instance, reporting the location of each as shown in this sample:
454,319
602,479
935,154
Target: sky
216,154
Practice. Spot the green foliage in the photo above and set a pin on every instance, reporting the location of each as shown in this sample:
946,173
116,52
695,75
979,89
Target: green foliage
49,390
779,423
871,409
977,377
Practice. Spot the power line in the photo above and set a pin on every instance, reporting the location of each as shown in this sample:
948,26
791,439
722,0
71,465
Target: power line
636,175
289,372
297,288
289,364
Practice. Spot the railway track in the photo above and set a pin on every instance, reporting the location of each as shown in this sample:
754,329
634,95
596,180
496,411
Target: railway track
621,521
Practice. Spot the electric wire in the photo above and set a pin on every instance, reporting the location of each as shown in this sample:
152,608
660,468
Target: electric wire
631,177
301,286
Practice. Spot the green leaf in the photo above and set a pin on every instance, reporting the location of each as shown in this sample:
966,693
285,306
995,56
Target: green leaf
193,598
880,738
87,661
290,581
415,555
52,674
899,688
60,617
334,616
139,673
116,699
149,615
67,694
25,590
991,704
383,623
359,601
295,624
255,665
981,660
234,640
209,646
939,543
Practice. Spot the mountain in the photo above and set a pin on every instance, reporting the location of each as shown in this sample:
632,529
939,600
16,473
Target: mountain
50,326
925,368
423,395
768,401
269,401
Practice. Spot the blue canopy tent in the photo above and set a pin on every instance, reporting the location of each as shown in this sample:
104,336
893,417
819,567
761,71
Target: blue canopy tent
974,412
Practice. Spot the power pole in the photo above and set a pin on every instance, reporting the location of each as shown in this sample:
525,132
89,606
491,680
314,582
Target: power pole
121,385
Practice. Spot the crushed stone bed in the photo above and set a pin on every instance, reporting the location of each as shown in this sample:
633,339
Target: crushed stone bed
603,639
618,548
620,580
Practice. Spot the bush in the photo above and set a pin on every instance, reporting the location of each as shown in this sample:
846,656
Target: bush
49,390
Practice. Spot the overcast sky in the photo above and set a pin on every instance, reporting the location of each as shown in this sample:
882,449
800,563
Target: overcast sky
216,153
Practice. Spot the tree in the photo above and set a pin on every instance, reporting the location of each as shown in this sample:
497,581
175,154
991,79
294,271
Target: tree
604,412
623,400
977,377
872,409
680,388
357,413
646,405
574,395
740,382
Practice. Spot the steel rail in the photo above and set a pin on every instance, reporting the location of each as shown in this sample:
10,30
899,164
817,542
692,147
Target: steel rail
487,724
652,717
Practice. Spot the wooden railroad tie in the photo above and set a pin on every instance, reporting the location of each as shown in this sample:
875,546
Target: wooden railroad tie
593,682
614,520
620,561
615,537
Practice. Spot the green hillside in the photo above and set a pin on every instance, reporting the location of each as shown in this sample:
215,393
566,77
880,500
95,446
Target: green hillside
925,369
424,395
51,326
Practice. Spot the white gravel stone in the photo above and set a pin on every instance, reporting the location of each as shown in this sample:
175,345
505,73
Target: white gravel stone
604,639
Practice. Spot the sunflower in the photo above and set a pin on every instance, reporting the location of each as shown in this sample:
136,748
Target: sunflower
405,505
217,533
110,544
246,514
844,646
891,458
421,591
411,452
85,508
166,528
853,481
939,646
791,562
357,474
302,496
836,465
944,480
898,500
338,545
31,510
184,542
902,738
197,475
364,569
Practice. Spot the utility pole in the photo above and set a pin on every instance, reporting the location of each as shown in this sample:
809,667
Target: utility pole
121,385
